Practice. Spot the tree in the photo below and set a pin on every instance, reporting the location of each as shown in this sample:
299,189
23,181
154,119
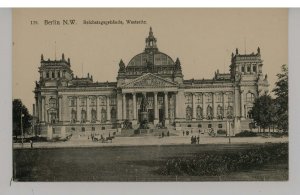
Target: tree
281,100
263,111
19,108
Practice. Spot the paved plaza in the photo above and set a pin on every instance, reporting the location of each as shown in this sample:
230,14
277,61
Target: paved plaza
152,140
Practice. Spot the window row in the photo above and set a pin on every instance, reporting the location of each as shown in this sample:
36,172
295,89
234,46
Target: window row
83,114
209,113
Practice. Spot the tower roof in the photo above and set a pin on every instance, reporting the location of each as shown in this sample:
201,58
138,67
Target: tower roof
151,42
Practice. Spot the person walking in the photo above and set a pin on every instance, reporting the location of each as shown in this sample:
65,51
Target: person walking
198,139
31,143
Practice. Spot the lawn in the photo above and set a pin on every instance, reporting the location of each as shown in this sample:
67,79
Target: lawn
129,163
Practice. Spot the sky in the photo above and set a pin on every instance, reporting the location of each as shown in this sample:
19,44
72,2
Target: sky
203,40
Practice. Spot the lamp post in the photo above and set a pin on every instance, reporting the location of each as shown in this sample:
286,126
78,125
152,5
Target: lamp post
229,132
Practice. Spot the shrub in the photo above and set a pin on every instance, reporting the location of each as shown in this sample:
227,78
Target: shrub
246,134
215,164
220,131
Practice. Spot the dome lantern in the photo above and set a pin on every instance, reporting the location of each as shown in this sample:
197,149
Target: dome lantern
151,42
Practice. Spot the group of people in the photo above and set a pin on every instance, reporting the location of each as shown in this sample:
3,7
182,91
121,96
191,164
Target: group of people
195,140
163,134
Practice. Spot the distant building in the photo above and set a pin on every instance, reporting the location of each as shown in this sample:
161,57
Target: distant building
79,104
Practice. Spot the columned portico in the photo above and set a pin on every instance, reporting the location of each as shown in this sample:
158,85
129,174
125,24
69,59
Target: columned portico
156,117
108,109
166,108
134,122
124,106
157,106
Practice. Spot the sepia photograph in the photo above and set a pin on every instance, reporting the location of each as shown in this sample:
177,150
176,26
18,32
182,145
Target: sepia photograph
150,95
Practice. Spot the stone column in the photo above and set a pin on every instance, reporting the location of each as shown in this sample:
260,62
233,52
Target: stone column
194,106
60,108
156,117
107,109
166,108
88,110
177,111
43,109
242,103
223,101
204,106
214,105
134,108
119,107
124,106
97,108
78,109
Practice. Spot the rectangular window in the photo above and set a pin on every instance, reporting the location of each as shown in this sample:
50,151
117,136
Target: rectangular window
209,125
72,102
189,99
82,102
209,98
199,99
93,102
219,98
220,126
230,98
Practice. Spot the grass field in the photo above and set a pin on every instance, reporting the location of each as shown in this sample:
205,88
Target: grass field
128,163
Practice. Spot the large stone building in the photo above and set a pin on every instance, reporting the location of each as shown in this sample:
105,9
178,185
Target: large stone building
67,103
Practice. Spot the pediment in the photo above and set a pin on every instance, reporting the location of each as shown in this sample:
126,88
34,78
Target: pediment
149,81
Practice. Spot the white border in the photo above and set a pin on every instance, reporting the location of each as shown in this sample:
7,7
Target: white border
290,187
138,3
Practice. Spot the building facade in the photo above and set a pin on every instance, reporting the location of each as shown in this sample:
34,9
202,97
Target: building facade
67,103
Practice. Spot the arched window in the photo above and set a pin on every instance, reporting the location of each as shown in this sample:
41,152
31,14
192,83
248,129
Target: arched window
52,103
199,113
52,115
103,115
53,74
94,115
229,112
93,101
250,97
249,114
72,102
254,69
113,114
220,112
73,116
248,68
243,68
47,74
209,112
83,116
58,74
189,113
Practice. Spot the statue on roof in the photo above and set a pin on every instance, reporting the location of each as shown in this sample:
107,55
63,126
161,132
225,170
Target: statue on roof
121,66
177,64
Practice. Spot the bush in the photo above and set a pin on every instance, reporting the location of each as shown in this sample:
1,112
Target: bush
246,134
215,164
220,131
